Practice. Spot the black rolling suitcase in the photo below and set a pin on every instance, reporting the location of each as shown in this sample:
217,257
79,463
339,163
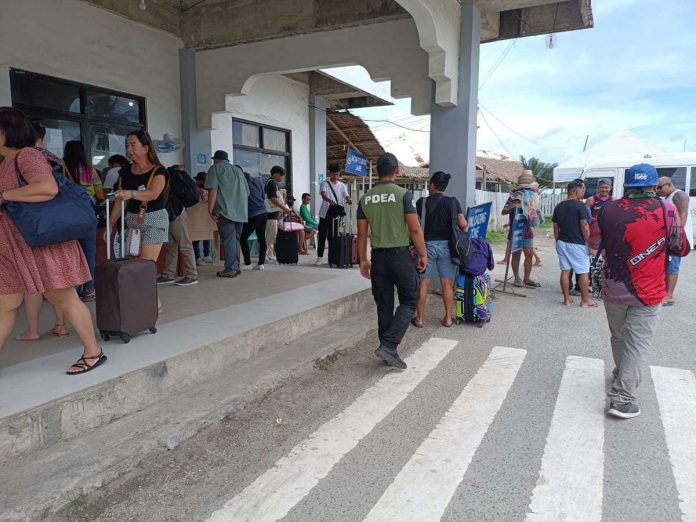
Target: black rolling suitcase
126,292
287,248
340,247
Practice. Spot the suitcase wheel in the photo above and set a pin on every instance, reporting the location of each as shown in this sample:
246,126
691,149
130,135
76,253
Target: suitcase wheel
125,337
458,321
104,335
153,330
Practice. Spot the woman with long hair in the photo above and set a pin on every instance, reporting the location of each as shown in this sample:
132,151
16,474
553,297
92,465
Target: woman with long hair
54,270
82,173
143,186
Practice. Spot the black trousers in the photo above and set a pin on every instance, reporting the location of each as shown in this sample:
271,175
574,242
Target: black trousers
255,224
326,231
394,268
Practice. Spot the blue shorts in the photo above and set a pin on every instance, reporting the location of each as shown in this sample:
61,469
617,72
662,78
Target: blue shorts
573,257
308,229
439,255
673,265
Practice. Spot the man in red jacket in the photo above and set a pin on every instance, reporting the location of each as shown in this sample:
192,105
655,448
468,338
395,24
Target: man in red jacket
637,232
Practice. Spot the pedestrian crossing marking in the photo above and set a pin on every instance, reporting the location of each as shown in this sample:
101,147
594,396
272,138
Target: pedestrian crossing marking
676,397
445,454
570,482
273,494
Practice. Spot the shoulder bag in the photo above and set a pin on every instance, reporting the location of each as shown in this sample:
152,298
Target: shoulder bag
68,216
459,243
134,235
335,211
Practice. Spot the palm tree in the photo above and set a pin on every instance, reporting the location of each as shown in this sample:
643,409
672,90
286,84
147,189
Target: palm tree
543,172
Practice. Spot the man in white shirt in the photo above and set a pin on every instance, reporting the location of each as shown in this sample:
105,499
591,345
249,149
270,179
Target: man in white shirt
334,195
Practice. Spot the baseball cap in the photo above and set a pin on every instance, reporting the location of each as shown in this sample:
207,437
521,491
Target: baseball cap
605,181
221,155
641,175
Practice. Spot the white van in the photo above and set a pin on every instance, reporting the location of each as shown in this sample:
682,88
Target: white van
680,166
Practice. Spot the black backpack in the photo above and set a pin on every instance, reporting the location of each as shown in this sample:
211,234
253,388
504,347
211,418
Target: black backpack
184,188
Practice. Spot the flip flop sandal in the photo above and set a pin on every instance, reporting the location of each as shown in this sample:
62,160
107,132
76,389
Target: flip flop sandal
20,339
84,366
518,284
52,331
666,303
532,284
447,325
593,305
414,323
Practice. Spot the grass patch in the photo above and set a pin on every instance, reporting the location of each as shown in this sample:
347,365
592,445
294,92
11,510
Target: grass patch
496,237
227,418
78,503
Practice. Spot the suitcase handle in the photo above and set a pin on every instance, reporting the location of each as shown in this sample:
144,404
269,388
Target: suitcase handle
112,197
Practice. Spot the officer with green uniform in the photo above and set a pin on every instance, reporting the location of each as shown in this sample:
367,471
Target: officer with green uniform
388,214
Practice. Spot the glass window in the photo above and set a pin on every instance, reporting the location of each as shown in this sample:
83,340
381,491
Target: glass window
101,105
591,186
275,140
246,134
58,133
692,184
39,91
105,142
678,175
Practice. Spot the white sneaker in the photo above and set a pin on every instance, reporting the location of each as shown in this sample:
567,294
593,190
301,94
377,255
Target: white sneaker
245,267
272,259
319,261
208,260
201,262
259,267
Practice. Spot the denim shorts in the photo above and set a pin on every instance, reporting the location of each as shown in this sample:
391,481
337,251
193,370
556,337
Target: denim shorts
573,256
439,255
673,265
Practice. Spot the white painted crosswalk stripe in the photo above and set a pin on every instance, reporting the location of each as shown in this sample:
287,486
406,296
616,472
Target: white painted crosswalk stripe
424,487
273,494
676,396
570,483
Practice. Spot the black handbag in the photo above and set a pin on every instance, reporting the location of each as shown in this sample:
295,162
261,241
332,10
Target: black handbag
459,242
335,211
68,216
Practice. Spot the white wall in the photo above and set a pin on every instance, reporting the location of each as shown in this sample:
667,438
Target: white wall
277,101
74,40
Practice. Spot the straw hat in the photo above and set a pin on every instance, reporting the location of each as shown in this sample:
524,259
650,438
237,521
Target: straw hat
525,180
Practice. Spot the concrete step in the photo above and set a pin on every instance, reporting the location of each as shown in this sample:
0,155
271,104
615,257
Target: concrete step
151,368
36,485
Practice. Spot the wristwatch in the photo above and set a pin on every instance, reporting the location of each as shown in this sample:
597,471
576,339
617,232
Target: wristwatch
132,194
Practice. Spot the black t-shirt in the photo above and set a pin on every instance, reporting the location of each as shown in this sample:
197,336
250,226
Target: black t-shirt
272,192
568,215
438,216
130,181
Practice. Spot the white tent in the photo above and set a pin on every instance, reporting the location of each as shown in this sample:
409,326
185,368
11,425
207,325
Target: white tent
620,144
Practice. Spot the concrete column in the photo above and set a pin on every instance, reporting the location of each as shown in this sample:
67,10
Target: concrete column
197,140
317,148
5,90
453,129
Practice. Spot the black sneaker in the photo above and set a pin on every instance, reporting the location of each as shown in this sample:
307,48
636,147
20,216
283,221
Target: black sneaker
228,273
186,281
164,280
625,410
390,357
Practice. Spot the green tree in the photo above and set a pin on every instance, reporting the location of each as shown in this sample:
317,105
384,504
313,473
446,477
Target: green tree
543,172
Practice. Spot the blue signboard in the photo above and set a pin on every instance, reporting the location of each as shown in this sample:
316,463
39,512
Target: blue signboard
202,159
477,218
356,163
517,241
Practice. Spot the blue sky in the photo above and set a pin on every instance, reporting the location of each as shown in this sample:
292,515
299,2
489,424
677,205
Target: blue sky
635,70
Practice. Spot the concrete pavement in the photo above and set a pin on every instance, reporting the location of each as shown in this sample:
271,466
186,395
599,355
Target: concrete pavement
522,452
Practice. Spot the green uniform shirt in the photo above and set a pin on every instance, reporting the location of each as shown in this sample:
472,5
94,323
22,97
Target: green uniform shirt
307,216
233,191
384,208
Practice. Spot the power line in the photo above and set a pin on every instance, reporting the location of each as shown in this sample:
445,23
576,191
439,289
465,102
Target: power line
398,125
483,116
517,133
497,63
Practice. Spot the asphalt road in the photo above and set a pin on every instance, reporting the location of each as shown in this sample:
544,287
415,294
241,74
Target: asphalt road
501,423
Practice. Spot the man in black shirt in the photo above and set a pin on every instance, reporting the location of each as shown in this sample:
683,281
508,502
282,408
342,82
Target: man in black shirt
571,229
436,220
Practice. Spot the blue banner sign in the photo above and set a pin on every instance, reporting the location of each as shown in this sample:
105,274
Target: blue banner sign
356,163
478,217
517,241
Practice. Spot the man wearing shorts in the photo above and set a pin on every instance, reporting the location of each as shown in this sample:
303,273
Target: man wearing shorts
571,229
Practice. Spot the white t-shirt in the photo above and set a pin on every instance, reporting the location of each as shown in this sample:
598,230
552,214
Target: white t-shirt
111,178
341,192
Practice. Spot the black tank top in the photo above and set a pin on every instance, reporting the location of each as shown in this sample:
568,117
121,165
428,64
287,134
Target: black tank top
130,181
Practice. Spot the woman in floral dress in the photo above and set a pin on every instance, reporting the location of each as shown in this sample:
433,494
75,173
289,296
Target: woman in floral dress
54,270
